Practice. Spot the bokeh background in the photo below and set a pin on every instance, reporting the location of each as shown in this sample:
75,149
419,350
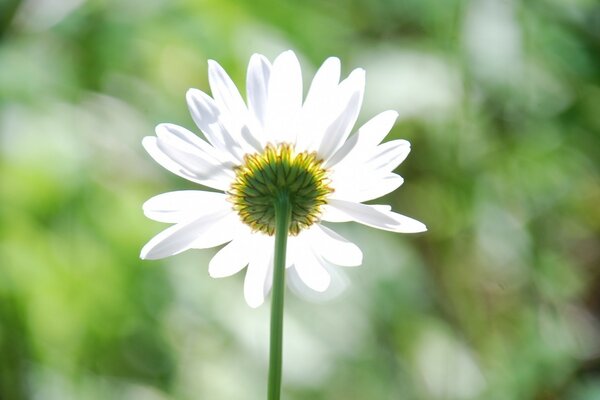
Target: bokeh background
499,300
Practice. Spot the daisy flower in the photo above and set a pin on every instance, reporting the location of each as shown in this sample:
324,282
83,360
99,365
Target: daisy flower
275,145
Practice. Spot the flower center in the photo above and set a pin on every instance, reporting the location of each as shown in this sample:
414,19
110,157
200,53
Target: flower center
278,171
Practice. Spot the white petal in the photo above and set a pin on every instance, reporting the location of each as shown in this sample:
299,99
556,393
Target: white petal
368,136
379,187
366,173
333,247
225,92
257,86
377,218
296,284
150,144
362,213
311,271
360,187
230,259
269,279
257,274
351,94
223,232
377,128
389,155
284,98
183,137
217,127
343,152
332,214
175,207
324,83
206,114
208,171
292,250
220,181
339,283
320,107
178,238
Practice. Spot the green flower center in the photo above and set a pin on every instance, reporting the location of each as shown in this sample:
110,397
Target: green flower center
279,171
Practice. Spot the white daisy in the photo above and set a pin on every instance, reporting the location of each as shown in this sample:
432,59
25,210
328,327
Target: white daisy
273,143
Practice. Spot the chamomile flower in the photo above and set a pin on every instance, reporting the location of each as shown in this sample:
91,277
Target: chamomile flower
276,144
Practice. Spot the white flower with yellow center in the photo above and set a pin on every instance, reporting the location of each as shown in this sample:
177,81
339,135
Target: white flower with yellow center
276,146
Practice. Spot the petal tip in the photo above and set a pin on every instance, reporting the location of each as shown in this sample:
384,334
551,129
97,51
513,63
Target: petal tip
254,303
322,287
163,126
213,271
418,227
393,115
148,253
189,93
258,58
335,60
359,261
360,73
288,55
148,141
144,253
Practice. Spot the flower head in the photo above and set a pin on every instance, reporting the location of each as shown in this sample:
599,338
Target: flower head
274,145
279,171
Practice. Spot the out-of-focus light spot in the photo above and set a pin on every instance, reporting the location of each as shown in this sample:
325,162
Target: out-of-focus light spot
180,68
140,392
545,93
339,283
411,82
570,329
447,367
503,243
100,128
41,15
252,36
493,40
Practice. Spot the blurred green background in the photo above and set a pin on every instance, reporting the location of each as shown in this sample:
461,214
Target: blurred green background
499,300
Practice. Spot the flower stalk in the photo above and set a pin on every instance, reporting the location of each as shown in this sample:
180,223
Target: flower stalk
283,217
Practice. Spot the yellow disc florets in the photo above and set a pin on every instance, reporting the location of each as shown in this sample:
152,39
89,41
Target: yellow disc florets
279,171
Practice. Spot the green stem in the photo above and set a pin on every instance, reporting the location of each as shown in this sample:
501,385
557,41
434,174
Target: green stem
283,216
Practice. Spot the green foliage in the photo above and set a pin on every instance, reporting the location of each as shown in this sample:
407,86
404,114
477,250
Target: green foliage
498,300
